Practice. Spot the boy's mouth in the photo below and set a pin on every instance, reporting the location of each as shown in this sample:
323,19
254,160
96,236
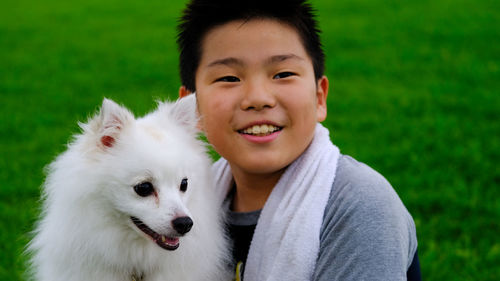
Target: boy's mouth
165,242
260,130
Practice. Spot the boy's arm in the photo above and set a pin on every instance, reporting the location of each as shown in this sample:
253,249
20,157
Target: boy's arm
367,233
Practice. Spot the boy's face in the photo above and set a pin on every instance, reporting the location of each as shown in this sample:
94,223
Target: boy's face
253,76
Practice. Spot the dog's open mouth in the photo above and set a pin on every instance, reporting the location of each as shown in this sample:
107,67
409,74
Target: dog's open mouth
167,243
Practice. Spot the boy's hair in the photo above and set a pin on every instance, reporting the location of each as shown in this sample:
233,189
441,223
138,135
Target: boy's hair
200,16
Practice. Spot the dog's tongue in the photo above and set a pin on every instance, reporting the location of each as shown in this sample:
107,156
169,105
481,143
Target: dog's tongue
168,243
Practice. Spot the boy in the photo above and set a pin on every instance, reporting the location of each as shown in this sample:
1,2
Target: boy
297,208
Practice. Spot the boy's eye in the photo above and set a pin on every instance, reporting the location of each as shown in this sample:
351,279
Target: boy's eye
230,79
282,75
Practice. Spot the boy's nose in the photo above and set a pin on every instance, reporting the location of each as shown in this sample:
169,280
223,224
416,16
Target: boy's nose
257,97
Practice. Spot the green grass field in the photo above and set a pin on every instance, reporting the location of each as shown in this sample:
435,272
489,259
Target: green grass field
414,93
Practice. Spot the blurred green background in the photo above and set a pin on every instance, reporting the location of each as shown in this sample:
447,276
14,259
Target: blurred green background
414,94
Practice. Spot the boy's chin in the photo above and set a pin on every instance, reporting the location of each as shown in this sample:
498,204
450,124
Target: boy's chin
263,167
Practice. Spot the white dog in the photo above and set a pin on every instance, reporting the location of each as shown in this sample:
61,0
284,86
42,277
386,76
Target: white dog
131,200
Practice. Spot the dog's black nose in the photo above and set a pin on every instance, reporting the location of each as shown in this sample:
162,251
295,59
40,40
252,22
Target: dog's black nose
182,225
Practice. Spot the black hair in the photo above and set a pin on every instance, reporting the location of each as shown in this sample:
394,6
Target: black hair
200,16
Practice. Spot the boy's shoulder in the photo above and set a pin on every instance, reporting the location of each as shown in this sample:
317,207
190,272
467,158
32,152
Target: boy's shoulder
350,171
366,219
362,200
358,182
360,191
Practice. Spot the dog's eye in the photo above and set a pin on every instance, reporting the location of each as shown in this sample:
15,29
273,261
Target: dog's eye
184,185
144,189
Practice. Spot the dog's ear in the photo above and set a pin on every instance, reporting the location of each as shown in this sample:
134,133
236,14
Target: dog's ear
184,111
113,119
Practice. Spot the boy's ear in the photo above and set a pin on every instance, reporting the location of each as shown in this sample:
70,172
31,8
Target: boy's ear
183,92
321,95
112,120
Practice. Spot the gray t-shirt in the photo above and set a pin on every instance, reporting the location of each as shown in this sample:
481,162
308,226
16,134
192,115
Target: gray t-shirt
367,233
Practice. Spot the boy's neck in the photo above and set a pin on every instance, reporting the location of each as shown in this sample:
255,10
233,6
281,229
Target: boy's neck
253,190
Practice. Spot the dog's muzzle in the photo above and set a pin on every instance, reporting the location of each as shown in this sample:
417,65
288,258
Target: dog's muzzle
182,225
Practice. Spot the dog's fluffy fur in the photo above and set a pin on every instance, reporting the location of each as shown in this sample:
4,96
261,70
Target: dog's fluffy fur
86,231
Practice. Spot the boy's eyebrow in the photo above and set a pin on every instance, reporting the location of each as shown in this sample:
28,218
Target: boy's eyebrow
237,62
226,61
280,58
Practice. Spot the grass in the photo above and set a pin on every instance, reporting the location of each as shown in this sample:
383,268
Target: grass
414,94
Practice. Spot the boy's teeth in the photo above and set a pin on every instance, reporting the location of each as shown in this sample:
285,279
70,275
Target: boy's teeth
260,129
